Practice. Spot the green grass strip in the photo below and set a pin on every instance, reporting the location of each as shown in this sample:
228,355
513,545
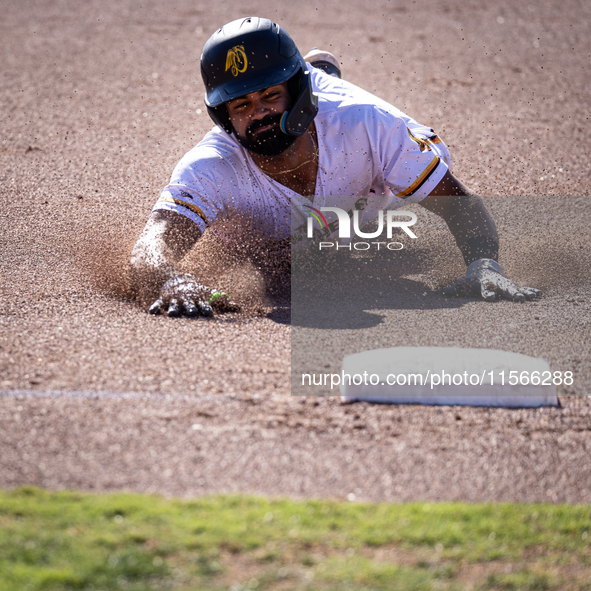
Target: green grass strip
71,540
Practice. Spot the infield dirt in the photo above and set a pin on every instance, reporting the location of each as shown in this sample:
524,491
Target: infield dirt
99,100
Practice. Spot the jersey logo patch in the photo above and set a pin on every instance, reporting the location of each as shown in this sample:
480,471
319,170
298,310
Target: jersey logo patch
423,144
236,60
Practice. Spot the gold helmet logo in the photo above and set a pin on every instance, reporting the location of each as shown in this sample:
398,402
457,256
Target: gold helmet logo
236,60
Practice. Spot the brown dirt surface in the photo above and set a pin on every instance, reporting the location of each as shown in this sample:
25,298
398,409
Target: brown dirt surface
98,102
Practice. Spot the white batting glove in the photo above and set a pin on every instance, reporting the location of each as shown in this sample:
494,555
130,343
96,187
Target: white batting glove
182,294
486,278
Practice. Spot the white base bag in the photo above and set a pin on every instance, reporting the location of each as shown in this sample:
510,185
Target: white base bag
419,375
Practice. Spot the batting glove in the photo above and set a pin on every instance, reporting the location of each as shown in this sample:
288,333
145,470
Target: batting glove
486,278
182,294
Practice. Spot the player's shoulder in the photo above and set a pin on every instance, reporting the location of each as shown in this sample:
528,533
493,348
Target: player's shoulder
336,96
217,153
215,145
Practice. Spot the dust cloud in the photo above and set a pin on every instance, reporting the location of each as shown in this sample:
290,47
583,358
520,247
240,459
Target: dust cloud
254,271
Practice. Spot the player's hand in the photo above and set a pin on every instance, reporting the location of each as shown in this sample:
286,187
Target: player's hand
183,295
485,278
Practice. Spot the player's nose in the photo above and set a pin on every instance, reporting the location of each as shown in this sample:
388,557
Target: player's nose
259,111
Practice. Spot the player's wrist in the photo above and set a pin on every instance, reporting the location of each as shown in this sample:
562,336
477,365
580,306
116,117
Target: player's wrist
476,268
479,247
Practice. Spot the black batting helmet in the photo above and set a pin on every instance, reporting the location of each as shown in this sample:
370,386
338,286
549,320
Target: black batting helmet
247,55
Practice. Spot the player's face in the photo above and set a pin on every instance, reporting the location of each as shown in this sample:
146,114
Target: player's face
256,116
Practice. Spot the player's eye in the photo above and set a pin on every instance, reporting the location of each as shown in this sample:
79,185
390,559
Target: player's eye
271,93
238,106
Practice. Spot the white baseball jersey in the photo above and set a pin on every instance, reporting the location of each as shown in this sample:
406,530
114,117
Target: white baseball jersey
366,149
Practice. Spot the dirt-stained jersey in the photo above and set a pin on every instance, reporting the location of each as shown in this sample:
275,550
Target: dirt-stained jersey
366,148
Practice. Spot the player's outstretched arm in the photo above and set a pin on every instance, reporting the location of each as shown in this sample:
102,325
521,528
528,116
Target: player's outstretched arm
476,235
166,239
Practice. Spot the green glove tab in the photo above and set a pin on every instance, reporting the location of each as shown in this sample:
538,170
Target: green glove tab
216,295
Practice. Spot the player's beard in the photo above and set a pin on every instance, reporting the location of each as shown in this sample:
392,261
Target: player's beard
266,143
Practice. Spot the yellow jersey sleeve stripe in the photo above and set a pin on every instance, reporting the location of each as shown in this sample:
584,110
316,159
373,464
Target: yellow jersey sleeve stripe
189,206
421,180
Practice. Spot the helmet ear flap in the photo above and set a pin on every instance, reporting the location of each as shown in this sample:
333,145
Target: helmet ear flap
220,117
294,85
305,107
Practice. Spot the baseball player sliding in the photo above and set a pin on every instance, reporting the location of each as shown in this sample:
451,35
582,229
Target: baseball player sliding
290,135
